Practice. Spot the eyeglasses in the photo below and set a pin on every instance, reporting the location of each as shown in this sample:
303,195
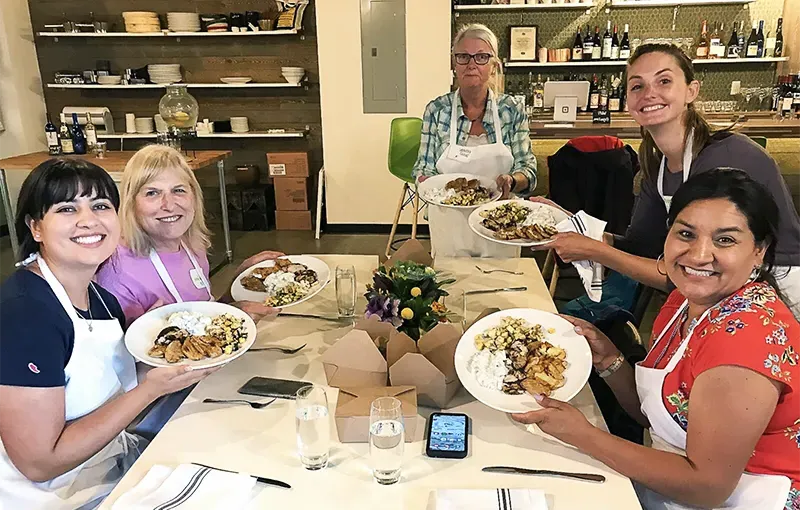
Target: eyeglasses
480,58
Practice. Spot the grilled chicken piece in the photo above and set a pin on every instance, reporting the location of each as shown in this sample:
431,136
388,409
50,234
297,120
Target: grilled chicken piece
173,353
253,283
157,351
191,350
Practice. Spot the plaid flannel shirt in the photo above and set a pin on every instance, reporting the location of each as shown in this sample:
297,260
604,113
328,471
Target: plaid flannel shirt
514,130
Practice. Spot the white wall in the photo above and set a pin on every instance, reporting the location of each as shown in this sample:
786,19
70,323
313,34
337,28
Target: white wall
355,145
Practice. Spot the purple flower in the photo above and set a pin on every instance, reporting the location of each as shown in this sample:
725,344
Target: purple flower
385,308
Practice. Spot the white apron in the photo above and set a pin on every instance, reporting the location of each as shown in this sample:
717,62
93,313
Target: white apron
197,275
99,369
753,492
687,164
450,232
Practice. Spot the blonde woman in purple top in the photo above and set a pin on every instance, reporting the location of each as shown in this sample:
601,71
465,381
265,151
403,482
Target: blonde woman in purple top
162,256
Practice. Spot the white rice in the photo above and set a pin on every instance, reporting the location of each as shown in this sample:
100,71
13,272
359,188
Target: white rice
541,216
438,195
280,280
193,322
489,368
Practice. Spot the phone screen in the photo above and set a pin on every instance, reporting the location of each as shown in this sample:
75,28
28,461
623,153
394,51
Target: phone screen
448,432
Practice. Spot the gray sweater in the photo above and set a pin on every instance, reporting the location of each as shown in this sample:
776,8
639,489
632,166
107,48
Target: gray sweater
648,229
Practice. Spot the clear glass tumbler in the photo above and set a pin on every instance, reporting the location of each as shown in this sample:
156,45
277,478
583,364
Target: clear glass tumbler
386,439
346,290
313,427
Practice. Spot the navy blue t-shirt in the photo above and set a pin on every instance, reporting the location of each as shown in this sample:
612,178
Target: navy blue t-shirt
36,334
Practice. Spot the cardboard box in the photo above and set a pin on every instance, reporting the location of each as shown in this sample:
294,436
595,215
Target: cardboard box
287,164
291,193
293,220
353,407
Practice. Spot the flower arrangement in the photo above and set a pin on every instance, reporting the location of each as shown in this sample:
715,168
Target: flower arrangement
407,296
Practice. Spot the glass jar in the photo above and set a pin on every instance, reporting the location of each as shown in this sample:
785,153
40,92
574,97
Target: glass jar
179,109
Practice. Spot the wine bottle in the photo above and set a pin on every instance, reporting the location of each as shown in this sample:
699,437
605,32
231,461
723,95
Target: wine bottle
614,98
51,134
78,138
742,46
615,44
796,94
577,46
752,42
733,44
538,95
597,47
91,133
588,44
594,94
625,45
760,39
715,42
606,53
704,43
603,95
787,100
779,39
65,138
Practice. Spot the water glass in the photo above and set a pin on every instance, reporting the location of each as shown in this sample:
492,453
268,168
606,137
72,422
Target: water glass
313,427
386,439
346,290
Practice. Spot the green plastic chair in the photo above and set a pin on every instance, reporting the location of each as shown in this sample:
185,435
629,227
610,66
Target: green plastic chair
404,138
760,140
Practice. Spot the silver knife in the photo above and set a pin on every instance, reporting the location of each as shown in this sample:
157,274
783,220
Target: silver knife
314,316
544,472
491,291
268,481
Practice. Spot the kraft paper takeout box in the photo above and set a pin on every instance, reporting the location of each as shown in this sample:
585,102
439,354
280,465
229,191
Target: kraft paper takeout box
353,408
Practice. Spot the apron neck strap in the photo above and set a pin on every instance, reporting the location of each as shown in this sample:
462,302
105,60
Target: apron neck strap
60,291
687,162
492,102
696,322
166,279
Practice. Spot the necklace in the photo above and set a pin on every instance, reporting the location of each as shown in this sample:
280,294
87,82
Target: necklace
89,309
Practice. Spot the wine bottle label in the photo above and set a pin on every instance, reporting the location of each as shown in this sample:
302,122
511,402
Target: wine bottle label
538,100
577,53
66,146
596,52
787,103
615,53
752,50
52,138
91,137
613,104
594,100
607,48
624,54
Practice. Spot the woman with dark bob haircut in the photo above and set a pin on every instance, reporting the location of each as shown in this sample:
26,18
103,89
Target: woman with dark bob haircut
67,384
720,387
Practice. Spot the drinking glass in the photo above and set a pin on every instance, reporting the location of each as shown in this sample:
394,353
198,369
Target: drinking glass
386,439
313,427
346,290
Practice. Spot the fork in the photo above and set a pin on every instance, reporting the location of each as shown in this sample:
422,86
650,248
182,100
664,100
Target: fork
285,350
488,271
254,405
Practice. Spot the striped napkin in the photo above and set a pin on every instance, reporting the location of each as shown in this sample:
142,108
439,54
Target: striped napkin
591,273
187,487
490,499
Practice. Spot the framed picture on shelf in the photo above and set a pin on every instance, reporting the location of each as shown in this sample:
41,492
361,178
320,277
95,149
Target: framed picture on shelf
522,43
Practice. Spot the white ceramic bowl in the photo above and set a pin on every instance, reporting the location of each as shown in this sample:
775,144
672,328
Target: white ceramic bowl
109,80
236,79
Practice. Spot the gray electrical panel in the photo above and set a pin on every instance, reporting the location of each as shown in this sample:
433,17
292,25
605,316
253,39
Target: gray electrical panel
383,55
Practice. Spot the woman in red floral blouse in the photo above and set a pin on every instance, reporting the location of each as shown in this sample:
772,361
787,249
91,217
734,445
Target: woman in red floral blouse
720,388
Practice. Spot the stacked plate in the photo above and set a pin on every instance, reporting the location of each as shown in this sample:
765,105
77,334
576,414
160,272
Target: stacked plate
141,21
164,73
109,80
239,125
293,74
236,80
183,21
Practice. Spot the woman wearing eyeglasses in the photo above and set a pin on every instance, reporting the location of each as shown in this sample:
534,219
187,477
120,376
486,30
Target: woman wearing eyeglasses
476,131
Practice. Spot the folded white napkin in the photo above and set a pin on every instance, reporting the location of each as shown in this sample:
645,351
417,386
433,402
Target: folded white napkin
187,487
490,499
591,273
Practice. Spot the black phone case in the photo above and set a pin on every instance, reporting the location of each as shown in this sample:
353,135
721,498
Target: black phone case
280,388
440,454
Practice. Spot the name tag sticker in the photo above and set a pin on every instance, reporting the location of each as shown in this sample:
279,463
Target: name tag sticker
197,279
460,153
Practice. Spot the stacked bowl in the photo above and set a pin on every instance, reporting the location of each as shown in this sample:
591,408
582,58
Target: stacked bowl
239,125
214,22
165,73
109,80
183,21
139,22
293,74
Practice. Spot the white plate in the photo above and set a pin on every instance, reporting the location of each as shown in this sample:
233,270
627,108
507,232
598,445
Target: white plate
579,360
236,79
441,180
140,335
239,293
475,220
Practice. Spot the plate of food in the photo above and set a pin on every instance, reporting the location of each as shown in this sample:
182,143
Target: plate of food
282,282
506,357
459,191
516,222
201,334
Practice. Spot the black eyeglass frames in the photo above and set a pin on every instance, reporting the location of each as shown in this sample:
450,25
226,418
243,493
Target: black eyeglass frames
480,58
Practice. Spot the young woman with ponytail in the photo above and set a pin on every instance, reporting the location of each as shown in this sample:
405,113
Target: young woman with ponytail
677,142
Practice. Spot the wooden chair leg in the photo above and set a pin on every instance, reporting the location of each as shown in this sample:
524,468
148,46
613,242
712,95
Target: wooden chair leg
396,219
554,280
416,213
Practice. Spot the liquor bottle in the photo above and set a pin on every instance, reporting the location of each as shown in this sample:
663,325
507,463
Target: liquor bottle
779,39
588,45
742,46
65,138
538,95
704,42
594,94
715,42
78,138
752,42
733,44
625,46
51,133
577,47
615,44
597,47
606,53
760,39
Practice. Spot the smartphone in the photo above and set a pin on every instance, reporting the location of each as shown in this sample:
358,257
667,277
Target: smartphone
267,387
448,435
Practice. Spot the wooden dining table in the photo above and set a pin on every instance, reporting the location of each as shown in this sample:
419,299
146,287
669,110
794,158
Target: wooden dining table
263,441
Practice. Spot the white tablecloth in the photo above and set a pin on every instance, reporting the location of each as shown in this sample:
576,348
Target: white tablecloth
263,441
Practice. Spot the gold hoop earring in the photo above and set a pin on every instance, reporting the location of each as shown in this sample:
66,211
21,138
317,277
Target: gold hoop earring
660,257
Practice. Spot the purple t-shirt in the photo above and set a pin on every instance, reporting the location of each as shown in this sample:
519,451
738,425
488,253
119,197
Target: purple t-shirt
135,283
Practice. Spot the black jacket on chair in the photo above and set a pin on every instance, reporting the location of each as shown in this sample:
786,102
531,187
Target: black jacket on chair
595,173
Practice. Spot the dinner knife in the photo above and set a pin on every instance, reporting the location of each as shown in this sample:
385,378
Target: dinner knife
491,291
314,316
268,481
544,472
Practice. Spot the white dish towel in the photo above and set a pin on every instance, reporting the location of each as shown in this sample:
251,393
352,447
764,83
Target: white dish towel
591,273
187,487
490,499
